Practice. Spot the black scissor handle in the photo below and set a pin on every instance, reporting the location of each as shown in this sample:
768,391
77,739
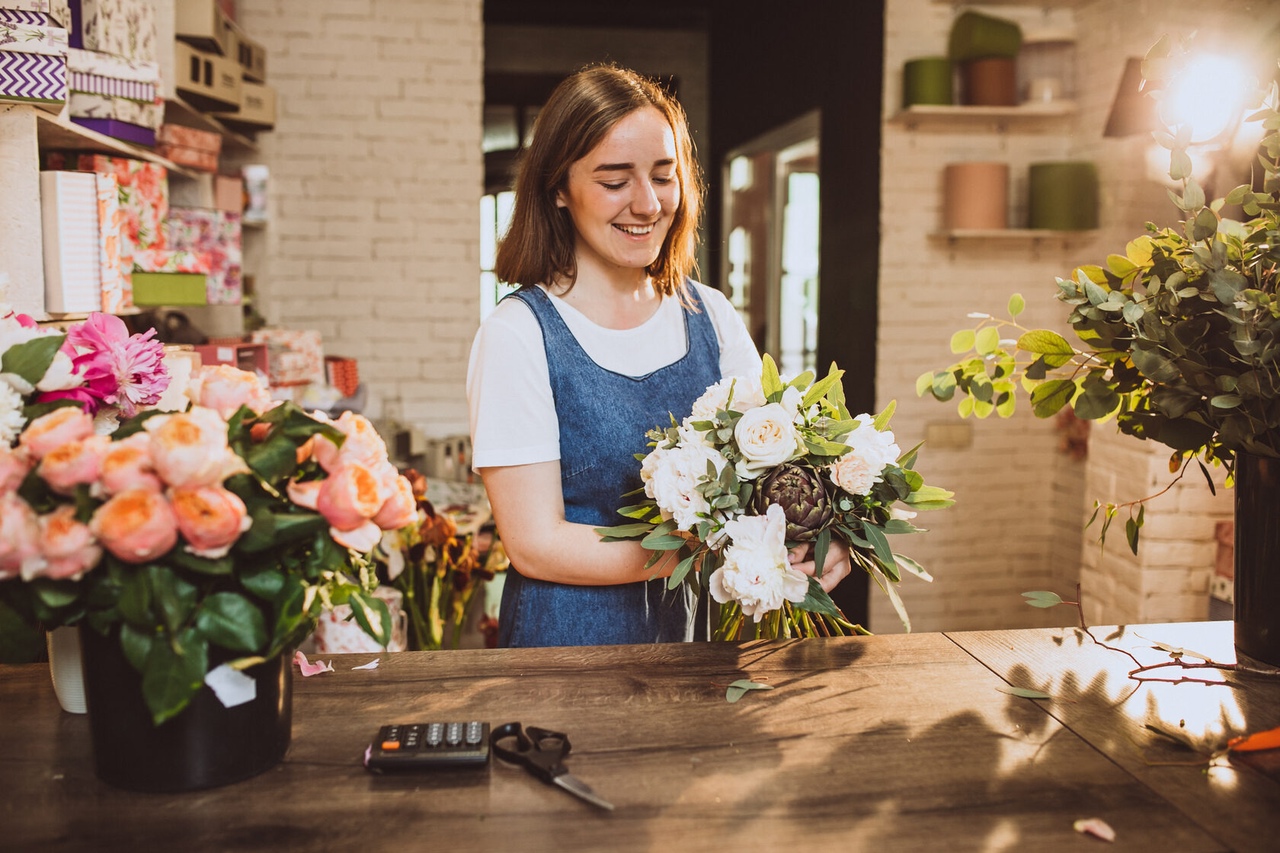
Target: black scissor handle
542,751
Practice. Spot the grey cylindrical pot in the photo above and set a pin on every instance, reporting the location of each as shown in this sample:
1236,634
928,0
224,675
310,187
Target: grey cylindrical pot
1062,196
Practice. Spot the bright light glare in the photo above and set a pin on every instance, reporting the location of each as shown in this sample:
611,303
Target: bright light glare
1209,94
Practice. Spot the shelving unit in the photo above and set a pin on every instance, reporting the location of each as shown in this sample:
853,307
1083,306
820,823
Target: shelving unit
54,132
1020,235
945,117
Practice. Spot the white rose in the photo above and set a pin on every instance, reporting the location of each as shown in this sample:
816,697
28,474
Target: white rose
756,573
863,466
671,475
767,437
746,392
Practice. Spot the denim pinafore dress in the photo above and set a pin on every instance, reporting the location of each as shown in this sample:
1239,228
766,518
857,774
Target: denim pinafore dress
603,419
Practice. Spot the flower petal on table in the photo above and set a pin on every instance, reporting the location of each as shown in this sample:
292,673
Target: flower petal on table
309,669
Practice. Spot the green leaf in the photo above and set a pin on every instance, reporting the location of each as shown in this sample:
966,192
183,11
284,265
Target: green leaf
1045,342
739,688
1048,398
1016,305
987,340
816,600
1024,692
173,674
678,573
770,381
1042,598
624,531
372,615
230,620
962,341
31,359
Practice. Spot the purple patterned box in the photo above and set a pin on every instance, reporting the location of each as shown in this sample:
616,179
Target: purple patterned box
34,78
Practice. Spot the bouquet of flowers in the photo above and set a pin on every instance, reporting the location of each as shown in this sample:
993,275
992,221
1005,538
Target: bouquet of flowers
216,530
764,465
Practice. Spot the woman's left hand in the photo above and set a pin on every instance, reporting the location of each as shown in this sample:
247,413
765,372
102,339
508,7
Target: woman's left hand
835,568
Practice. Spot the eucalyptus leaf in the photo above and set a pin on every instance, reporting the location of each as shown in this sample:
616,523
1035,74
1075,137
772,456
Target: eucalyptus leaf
739,688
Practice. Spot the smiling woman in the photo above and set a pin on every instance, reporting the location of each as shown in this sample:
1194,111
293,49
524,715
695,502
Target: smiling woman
606,336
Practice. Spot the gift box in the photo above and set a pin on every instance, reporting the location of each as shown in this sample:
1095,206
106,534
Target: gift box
34,78
32,38
124,28
207,80
121,130
54,13
69,222
188,146
257,107
114,76
295,356
144,205
204,25
214,235
250,357
342,373
144,115
169,277
228,194
116,294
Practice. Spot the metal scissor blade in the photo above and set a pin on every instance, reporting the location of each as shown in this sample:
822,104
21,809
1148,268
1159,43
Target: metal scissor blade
581,789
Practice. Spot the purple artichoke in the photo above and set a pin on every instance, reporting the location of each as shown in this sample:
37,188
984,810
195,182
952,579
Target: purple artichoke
800,492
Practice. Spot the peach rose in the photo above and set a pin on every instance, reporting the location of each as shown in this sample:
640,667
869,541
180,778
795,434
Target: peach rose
225,389
350,496
305,494
210,518
128,465
74,463
14,466
136,525
400,509
67,545
54,429
190,449
362,444
19,535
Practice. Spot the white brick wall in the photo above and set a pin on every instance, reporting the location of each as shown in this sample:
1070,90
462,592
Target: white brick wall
376,172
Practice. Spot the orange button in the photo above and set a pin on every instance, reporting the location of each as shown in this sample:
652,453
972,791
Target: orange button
390,745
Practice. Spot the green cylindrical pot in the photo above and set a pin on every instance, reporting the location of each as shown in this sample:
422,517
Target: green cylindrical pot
926,80
1062,196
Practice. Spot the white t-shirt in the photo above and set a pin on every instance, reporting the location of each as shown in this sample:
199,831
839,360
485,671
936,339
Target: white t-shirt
513,412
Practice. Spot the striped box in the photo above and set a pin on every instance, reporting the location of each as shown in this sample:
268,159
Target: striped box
69,218
34,78
102,74
55,13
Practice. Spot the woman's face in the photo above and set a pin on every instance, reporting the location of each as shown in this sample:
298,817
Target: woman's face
623,194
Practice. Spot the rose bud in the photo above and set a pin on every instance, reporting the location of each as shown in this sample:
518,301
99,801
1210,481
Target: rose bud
210,518
67,545
74,463
136,525
54,429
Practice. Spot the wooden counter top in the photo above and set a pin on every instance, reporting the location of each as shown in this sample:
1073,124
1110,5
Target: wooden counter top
902,742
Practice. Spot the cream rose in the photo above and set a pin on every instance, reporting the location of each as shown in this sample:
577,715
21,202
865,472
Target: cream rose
767,437
746,393
756,573
671,476
362,443
400,509
870,450
127,465
350,496
14,466
136,526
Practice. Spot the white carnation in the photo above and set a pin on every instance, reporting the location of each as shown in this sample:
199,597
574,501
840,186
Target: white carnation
11,419
863,466
747,394
756,573
671,475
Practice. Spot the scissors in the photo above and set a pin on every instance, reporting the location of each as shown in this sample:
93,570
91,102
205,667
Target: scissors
542,753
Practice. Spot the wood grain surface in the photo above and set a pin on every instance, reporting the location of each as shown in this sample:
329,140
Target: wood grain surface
879,744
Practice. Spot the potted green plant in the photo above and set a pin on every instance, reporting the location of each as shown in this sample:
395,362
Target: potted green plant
1178,340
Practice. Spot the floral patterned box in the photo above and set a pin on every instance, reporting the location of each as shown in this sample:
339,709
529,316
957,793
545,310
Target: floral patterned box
215,235
144,204
117,293
187,146
32,38
295,355
124,28
170,277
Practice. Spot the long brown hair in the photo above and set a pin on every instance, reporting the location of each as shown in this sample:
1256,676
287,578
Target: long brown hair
539,244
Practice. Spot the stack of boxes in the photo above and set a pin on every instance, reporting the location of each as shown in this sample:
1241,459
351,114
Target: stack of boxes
219,69
33,52
114,71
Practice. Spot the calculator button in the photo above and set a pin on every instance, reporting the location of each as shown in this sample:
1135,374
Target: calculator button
454,734
474,733
390,745
435,734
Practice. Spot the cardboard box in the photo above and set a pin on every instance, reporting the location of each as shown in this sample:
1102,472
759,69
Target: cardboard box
257,107
251,56
124,28
228,194
204,25
208,81
51,12
188,146
69,219
250,357
34,78
32,38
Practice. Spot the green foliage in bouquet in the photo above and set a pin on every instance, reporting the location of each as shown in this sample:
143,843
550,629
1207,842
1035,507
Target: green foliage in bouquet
1177,338
763,467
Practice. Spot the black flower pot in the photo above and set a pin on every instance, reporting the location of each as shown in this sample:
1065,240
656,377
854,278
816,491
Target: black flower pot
1257,558
204,746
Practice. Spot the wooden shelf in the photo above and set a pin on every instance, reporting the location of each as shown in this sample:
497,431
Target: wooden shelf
941,115
1023,235
53,132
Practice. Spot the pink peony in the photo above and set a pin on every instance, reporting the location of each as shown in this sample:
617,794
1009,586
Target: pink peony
225,389
119,369
67,545
136,526
19,535
14,465
54,429
190,449
74,464
127,465
210,519
362,444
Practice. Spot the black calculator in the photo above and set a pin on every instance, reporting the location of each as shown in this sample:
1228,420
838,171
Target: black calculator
430,746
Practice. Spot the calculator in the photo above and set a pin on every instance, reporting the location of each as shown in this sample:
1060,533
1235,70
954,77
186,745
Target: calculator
430,746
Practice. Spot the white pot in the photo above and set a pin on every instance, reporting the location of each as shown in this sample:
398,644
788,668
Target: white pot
64,667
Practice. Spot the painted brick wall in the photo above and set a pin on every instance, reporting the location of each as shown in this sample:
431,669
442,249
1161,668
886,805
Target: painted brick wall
376,172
